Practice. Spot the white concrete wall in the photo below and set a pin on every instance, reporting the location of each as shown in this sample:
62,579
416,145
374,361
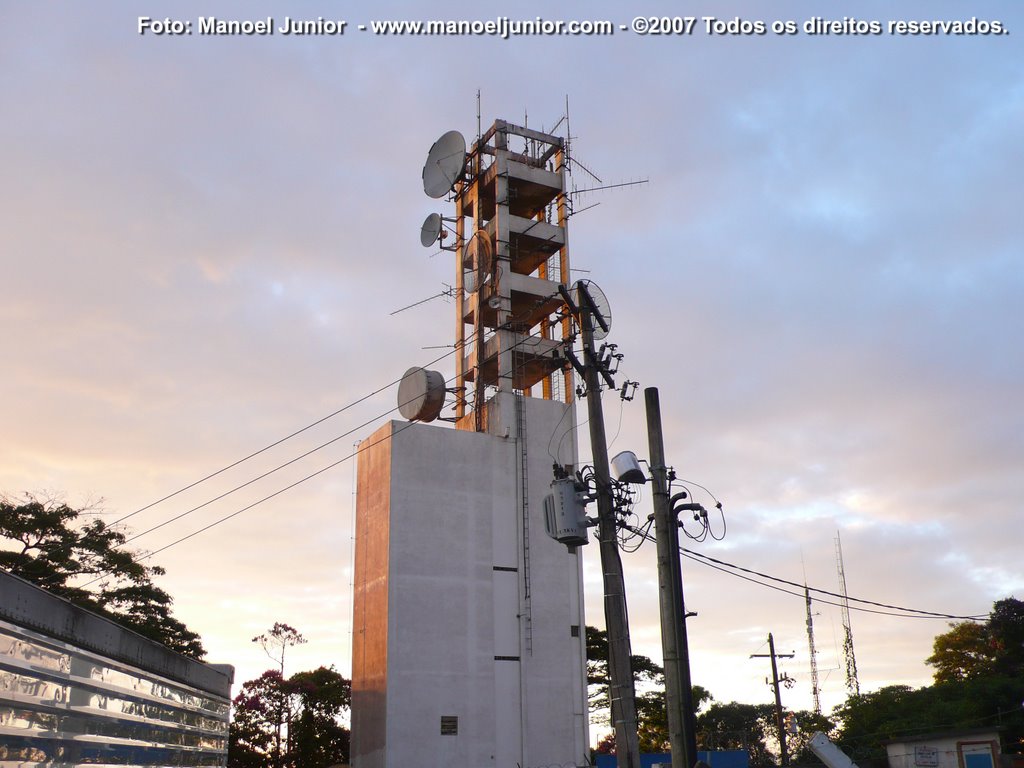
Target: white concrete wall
943,750
461,639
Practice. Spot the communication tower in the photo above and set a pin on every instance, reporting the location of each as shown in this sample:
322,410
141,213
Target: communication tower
512,254
813,653
852,683
468,628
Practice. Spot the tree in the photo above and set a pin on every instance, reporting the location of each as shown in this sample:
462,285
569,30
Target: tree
51,544
870,719
651,713
316,738
979,675
276,641
254,721
971,650
645,672
1005,631
961,653
652,717
738,726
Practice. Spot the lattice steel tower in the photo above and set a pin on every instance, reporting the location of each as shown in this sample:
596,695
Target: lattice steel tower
815,690
852,683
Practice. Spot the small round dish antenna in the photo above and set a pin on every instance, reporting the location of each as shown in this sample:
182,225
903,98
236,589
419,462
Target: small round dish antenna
430,232
600,304
421,394
480,256
445,163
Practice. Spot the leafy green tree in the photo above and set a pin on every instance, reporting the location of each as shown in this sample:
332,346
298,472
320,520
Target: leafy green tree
870,719
971,650
651,713
275,642
652,717
738,726
961,653
251,737
1005,630
979,676
645,672
315,738
51,544
753,727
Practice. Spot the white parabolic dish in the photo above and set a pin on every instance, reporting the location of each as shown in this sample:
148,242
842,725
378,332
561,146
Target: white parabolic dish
445,163
431,230
421,394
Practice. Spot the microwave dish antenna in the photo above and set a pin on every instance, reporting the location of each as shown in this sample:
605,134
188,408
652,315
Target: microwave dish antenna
482,259
430,232
601,306
445,163
421,394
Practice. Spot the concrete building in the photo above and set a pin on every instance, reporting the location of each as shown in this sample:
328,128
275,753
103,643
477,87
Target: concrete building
975,748
465,652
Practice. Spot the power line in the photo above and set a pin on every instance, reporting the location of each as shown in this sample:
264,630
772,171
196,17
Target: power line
284,439
268,447
292,461
259,477
723,566
922,614
260,501
275,493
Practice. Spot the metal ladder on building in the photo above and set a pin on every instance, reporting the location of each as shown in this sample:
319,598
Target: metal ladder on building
524,479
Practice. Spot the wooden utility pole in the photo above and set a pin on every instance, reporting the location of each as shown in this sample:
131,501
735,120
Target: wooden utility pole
620,667
779,720
682,724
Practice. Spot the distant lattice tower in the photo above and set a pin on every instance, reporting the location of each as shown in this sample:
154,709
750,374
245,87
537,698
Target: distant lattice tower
852,684
815,690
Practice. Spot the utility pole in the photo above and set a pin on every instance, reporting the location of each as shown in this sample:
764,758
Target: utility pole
682,724
779,721
620,667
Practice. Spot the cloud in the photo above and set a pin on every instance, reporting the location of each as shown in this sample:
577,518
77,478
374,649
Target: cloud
202,242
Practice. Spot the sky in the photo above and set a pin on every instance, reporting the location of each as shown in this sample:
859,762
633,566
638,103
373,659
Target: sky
203,240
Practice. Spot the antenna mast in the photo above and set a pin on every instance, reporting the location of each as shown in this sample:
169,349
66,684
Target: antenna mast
852,684
815,691
512,257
